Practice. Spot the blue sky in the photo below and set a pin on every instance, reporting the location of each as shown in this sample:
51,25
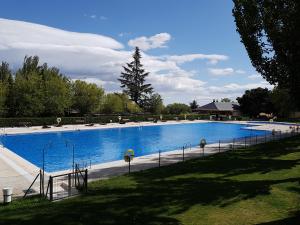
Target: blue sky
190,47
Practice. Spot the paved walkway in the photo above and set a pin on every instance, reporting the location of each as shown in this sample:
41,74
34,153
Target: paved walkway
15,173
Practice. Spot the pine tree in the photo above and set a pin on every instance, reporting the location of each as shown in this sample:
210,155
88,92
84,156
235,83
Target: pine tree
133,80
194,104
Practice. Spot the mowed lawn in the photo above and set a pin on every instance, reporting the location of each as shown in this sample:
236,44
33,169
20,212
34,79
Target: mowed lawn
257,185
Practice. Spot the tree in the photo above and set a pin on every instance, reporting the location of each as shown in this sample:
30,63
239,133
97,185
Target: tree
129,106
7,82
56,92
269,29
133,80
282,106
87,97
178,108
225,100
155,104
112,103
39,90
2,98
255,101
28,89
194,104
119,103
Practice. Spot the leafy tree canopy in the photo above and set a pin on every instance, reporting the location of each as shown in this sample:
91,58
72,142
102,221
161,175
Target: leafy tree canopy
2,98
178,108
282,106
155,104
86,97
256,101
225,100
269,29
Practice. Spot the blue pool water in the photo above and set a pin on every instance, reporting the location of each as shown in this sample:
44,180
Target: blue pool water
104,145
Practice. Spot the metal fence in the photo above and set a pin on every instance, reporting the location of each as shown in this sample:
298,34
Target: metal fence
66,185
185,152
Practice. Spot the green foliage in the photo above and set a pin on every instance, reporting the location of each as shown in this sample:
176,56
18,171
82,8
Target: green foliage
269,29
103,118
119,103
132,107
260,100
3,94
177,108
28,89
39,90
57,93
155,104
112,104
87,97
282,105
6,88
225,100
256,101
133,80
194,104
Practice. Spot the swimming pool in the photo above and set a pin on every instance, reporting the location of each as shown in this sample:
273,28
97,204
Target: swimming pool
109,144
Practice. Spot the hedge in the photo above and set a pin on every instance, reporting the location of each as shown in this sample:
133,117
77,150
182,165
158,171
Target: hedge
39,121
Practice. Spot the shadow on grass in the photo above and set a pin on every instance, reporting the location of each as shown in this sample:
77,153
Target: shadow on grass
292,220
158,196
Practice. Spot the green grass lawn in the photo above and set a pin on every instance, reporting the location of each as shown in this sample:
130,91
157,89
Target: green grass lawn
258,185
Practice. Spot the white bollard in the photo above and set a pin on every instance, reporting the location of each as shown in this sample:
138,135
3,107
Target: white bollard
7,193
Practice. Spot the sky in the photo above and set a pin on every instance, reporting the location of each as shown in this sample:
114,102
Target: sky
191,48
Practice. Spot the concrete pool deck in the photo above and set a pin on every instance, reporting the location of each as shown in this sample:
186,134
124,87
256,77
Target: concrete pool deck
18,173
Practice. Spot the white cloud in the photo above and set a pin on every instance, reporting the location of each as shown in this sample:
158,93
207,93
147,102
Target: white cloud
255,76
221,71
146,43
224,71
103,18
213,58
99,59
240,71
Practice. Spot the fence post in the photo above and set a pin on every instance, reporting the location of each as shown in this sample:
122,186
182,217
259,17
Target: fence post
86,180
279,134
219,146
233,141
183,153
256,139
158,158
129,165
51,188
75,175
245,142
69,184
41,181
265,136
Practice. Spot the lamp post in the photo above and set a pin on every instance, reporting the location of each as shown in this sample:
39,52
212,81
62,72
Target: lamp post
202,144
128,156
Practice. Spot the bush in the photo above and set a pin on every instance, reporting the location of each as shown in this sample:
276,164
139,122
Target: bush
40,121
